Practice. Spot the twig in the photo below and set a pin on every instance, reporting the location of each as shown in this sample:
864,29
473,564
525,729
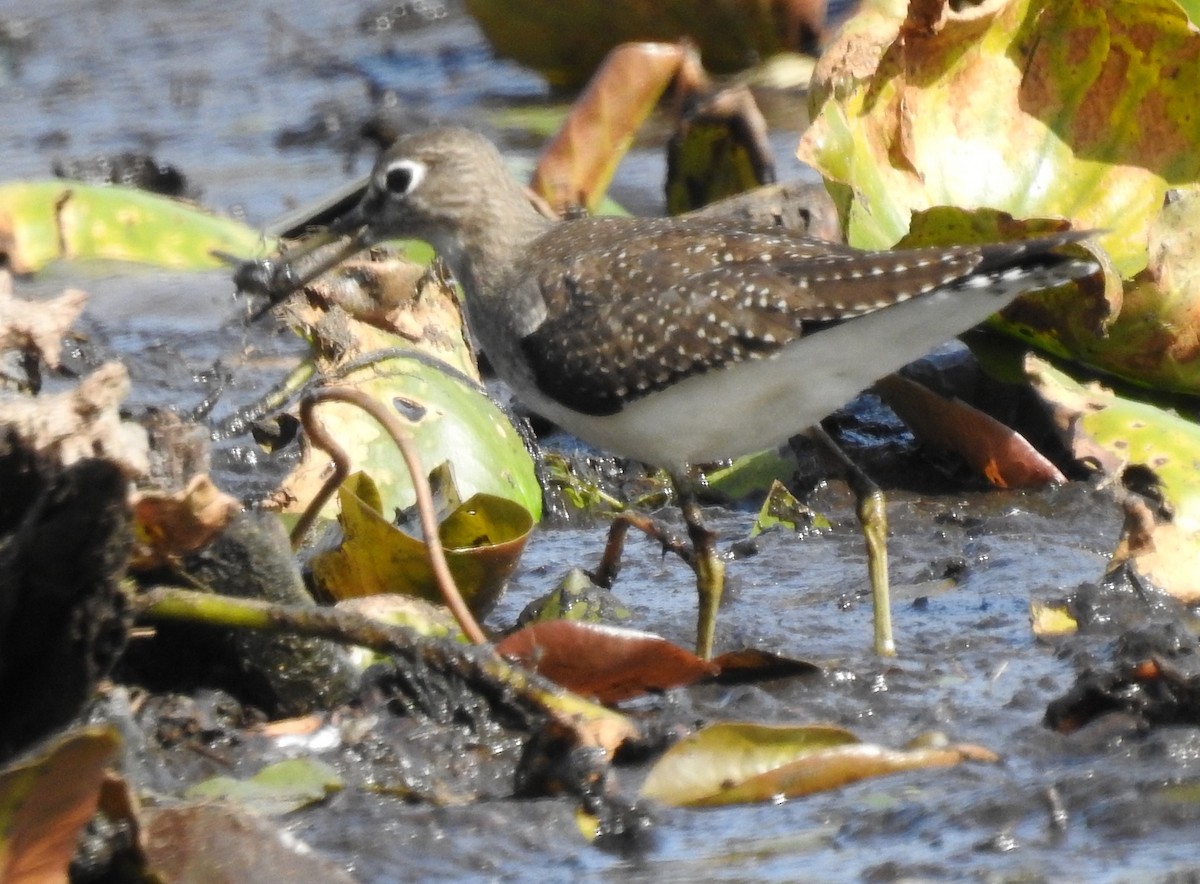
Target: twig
480,666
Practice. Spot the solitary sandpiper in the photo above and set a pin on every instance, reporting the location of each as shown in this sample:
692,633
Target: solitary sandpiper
673,341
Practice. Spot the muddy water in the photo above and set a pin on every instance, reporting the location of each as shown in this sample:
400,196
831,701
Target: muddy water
212,86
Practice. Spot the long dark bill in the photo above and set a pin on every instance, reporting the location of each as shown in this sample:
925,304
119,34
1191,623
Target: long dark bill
278,277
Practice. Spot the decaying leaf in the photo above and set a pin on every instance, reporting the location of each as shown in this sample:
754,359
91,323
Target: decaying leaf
720,148
167,526
1075,110
417,360
483,539
1143,445
1000,454
576,166
42,221
38,326
81,423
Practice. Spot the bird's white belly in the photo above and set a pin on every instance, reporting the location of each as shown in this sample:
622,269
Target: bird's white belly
759,404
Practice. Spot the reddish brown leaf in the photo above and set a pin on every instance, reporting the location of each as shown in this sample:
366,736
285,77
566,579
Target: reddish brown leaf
751,664
996,451
605,662
45,802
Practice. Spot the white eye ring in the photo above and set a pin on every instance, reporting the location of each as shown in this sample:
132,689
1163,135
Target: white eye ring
402,177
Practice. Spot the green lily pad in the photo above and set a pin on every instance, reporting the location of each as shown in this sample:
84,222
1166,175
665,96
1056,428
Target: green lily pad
450,418
43,221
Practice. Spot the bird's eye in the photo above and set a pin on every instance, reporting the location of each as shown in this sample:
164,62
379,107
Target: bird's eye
402,177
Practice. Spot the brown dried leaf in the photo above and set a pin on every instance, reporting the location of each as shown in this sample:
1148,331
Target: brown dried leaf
45,802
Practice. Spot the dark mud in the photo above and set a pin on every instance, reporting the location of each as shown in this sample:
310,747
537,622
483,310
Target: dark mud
259,105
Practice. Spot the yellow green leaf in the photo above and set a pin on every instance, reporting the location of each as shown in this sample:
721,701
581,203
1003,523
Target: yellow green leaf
483,539
451,419
278,788
43,221
1040,108
732,763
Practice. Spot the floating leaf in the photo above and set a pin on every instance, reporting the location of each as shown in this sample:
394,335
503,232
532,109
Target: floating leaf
276,789
483,539
45,802
782,509
733,763
606,662
41,221
1051,621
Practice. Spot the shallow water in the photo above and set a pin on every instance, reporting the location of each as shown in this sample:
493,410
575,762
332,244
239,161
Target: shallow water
210,85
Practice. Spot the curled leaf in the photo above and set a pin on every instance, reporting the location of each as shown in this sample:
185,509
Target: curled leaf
483,539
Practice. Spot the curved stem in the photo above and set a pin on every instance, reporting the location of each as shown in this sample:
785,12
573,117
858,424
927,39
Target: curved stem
425,509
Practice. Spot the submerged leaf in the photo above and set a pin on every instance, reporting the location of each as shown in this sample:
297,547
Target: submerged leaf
276,789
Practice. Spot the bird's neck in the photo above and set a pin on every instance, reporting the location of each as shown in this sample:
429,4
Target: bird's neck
484,254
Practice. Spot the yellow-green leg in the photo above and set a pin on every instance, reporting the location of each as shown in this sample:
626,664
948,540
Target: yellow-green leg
871,510
710,570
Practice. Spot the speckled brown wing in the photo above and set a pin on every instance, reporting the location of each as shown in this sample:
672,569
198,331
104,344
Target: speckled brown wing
672,299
